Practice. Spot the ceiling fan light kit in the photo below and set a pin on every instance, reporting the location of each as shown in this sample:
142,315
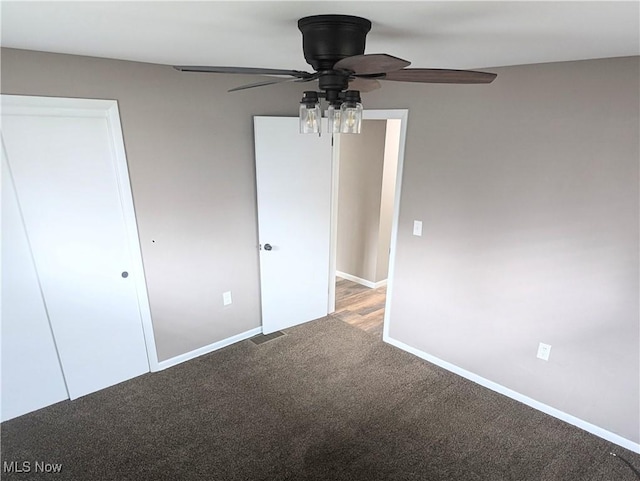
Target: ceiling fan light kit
310,113
334,46
351,113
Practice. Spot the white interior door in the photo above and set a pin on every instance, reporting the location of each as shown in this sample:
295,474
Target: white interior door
293,176
63,163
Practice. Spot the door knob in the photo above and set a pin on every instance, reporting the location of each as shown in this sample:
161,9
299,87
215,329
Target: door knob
125,274
267,247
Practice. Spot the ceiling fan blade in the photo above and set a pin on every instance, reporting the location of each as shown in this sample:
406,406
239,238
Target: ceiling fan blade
274,81
243,70
370,64
262,84
441,76
364,84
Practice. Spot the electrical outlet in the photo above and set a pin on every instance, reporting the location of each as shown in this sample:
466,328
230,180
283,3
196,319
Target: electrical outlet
417,227
226,298
543,351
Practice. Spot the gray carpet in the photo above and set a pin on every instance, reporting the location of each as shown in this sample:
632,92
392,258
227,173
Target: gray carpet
324,402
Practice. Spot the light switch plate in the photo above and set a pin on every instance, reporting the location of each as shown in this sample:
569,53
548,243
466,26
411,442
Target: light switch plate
417,227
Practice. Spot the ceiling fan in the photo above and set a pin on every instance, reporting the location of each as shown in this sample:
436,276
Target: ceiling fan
334,46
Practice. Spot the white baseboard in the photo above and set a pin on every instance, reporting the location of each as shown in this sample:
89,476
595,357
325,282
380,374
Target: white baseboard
591,428
209,348
359,280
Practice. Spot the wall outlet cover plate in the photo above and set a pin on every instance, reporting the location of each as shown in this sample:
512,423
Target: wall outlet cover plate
543,351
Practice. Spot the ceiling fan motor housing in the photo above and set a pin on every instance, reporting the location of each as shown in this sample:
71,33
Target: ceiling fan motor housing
329,38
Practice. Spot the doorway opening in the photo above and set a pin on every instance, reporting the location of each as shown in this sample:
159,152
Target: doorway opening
366,192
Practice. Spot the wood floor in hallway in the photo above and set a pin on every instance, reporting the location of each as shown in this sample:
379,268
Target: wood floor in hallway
360,306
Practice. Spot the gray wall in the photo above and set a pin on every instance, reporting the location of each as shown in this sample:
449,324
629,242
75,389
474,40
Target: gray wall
528,193
190,151
528,190
359,194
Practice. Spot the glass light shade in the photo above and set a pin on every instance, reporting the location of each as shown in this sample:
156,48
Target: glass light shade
333,118
310,116
350,117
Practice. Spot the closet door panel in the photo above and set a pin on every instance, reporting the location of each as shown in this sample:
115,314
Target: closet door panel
31,373
64,169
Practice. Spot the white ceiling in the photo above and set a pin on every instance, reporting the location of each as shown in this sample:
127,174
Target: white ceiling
446,34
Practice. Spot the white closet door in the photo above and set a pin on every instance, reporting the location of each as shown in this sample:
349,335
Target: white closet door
31,373
64,167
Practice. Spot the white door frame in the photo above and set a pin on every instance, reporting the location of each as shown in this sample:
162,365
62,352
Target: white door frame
402,115
109,110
